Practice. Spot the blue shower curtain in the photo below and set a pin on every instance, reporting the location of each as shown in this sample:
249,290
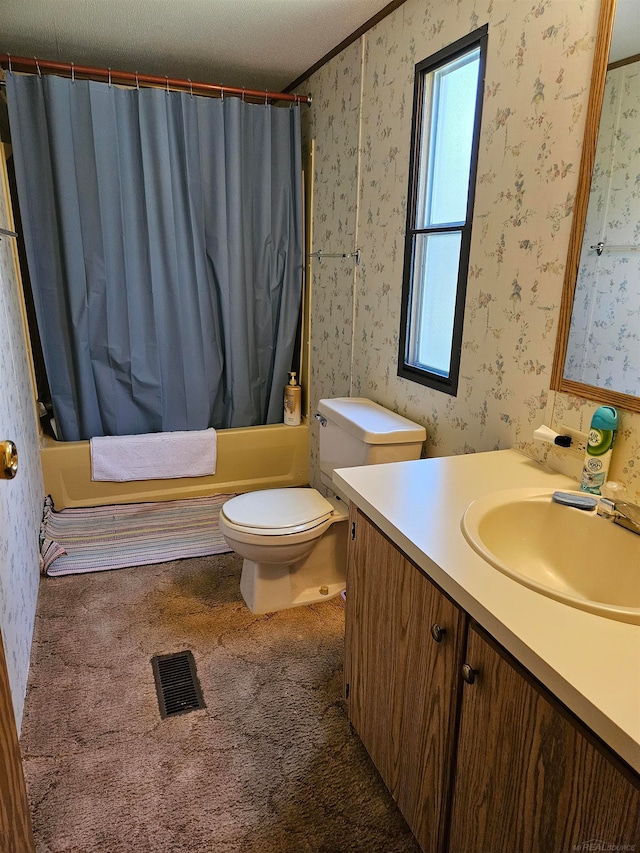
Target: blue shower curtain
164,243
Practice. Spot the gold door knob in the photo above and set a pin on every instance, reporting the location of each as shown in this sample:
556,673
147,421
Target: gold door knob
8,460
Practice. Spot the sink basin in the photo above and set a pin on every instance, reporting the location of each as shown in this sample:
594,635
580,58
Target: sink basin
568,554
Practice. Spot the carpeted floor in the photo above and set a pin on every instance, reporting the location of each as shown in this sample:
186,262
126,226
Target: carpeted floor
270,766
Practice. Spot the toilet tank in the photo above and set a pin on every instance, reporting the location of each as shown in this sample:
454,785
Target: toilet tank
360,432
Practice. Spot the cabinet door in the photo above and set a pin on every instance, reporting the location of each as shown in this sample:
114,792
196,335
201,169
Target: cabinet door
527,779
400,681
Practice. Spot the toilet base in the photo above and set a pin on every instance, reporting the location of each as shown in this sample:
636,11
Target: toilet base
267,587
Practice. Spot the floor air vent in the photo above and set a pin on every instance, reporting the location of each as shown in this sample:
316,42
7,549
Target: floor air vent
177,684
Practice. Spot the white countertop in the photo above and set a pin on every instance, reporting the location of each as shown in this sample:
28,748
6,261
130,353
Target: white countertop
591,663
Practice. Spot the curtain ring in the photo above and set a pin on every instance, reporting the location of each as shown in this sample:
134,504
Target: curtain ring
109,78
266,98
9,58
190,87
167,79
37,66
73,73
243,94
222,94
137,82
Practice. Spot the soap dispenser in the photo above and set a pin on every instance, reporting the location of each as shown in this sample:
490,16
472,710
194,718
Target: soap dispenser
292,399
597,458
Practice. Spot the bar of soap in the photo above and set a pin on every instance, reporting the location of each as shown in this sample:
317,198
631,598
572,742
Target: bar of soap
577,501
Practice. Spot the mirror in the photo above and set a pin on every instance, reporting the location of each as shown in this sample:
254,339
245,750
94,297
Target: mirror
598,349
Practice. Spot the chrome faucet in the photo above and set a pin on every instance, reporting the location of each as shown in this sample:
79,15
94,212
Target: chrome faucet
622,512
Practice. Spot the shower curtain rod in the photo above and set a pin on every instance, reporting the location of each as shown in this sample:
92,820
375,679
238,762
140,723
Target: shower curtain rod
42,66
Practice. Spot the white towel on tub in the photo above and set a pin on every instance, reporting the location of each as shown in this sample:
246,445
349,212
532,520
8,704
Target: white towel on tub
154,456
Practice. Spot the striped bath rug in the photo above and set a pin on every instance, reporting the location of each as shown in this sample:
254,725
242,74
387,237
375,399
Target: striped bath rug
94,539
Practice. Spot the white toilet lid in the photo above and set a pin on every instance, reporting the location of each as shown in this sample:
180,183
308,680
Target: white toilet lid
281,509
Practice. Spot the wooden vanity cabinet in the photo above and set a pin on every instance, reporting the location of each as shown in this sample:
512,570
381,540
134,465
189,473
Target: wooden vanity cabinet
401,681
528,777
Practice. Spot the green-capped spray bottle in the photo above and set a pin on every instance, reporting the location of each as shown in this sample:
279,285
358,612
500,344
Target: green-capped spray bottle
597,458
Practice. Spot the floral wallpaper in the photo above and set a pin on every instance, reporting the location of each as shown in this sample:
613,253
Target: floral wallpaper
605,328
540,54
336,119
21,499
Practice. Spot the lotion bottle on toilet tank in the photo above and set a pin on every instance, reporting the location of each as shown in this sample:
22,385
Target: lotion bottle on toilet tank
597,458
292,395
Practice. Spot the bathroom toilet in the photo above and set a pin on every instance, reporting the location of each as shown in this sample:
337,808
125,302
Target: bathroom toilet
294,541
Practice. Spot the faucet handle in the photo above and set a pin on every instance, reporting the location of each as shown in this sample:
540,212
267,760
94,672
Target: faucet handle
630,512
625,514
606,508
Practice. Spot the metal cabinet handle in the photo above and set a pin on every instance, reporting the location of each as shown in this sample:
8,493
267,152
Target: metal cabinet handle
469,673
8,460
437,632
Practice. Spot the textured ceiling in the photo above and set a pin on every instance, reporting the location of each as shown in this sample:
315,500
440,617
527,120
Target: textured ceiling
261,44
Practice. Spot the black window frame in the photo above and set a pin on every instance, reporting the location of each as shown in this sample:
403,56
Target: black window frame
448,384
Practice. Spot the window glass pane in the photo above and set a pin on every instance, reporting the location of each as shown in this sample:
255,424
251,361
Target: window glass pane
436,259
446,141
441,192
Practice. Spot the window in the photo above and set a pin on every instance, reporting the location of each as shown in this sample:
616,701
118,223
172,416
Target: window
446,129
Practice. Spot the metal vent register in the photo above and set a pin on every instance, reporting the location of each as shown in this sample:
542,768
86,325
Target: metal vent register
177,684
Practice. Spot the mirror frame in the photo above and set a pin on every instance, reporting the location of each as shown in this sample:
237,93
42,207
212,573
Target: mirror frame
592,126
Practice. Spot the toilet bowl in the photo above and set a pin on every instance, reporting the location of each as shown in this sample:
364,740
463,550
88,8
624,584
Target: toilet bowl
294,541
294,546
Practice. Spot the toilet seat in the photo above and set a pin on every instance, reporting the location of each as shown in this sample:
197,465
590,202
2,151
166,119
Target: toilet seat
277,512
